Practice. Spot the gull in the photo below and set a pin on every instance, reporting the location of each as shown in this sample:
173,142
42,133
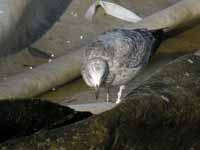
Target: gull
117,56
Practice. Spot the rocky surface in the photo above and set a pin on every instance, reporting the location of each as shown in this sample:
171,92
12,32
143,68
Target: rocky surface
26,116
163,113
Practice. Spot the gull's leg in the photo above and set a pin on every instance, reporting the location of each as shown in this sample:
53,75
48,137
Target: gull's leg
119,94
108,95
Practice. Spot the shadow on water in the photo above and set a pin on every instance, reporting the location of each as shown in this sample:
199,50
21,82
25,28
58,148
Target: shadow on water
37,17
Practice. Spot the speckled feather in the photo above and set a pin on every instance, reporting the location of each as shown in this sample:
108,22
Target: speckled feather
126,52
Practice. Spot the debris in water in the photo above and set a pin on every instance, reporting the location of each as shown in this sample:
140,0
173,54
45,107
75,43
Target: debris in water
81,37
52,55
50,60
30,67
68,42
190,61
165,98
53,89
75,14
187,74
114,10
38,53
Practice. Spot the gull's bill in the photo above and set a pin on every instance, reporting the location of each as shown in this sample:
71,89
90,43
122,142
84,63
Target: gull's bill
114,10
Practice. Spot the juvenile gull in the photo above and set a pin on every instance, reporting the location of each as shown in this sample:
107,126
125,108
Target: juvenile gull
116,57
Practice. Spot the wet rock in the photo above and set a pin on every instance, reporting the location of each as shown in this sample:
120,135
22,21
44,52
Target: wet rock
22,22
23,117
143,121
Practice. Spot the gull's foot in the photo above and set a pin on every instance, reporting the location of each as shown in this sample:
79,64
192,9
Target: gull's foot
107,95
119,94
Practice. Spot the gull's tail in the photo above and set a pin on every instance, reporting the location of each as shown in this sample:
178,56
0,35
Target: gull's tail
114,10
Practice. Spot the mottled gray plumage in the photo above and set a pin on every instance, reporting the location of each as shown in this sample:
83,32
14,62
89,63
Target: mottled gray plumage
121,53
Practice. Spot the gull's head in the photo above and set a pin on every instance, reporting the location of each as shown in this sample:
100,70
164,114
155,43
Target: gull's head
95,72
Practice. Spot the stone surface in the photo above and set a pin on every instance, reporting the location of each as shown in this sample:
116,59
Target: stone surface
26,116
163,113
